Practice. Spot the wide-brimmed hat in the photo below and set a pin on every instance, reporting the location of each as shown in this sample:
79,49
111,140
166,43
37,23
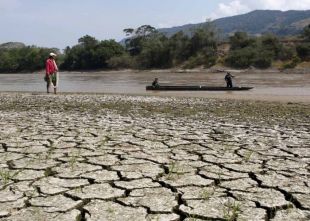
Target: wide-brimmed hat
53,54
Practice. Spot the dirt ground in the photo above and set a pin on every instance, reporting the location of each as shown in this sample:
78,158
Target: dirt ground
116,157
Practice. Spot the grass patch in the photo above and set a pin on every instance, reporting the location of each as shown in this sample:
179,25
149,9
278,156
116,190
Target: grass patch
49,172
7,176
231,211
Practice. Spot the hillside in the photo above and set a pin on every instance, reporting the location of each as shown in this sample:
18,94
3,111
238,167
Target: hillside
10,45
256,22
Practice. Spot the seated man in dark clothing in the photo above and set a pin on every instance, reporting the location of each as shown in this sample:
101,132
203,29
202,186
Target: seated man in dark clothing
155,83
228,79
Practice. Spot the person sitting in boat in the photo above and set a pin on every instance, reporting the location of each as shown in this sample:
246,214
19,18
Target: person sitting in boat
228,79
155,83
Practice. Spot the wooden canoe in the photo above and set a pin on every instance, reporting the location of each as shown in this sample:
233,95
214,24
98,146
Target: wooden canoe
195,88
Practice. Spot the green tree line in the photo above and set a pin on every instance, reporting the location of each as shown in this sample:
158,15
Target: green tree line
28,58
90,54
146,48
260,52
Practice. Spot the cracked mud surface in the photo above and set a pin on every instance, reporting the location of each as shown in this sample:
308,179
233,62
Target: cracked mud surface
113,157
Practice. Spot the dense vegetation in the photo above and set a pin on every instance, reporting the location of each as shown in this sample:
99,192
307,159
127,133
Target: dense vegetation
146,48
19,59
260,52
246,51
91,54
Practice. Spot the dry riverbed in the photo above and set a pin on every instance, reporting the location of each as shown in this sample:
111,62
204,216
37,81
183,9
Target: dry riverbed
112,157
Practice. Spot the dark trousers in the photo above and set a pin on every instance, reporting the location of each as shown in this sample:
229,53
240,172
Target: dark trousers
229,84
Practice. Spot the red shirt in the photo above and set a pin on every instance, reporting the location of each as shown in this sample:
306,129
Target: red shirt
50,66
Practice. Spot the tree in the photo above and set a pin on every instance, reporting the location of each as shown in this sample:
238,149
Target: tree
151,49
145,30
122,61
303,51
19,59
136,37
91,54
287,53
203,47
241,40
241,58
180,48
129,31
155,52
106,50
271,44
306,33
88,41
204,37
248,51
263,59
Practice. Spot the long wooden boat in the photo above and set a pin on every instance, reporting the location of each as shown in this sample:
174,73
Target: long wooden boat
195,88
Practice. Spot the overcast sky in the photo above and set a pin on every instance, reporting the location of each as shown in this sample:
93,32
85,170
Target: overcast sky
60,23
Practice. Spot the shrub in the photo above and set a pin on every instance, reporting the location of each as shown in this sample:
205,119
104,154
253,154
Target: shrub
286,53
262,62
124,61
207,60
303,51
263,59
242,58
193,62
296,60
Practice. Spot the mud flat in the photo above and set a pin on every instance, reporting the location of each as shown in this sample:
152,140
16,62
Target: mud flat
113,157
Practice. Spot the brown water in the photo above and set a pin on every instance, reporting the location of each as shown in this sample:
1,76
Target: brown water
267,85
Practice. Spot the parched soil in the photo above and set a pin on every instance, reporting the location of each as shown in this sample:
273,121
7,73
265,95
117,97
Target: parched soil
112,157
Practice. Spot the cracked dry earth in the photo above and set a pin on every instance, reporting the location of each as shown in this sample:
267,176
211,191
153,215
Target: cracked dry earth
113,157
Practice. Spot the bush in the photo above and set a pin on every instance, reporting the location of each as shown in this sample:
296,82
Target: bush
263,59
193,62
155,53
124,61
262,62
270,44
207,60
241,58
28,58
241,40
296,60
303,51
286,53
91,54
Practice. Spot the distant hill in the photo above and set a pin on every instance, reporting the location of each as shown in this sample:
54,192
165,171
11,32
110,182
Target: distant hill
255,23
10,45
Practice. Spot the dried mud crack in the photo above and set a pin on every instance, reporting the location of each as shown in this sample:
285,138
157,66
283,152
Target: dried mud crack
112,157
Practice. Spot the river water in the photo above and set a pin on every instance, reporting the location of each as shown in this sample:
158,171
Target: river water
267,85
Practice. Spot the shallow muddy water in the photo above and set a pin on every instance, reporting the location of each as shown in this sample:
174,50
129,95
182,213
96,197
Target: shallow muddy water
267,86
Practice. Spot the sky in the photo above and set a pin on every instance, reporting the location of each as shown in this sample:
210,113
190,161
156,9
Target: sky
60,23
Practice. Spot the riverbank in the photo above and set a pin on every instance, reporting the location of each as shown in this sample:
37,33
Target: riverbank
120,157
228,97
302,68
